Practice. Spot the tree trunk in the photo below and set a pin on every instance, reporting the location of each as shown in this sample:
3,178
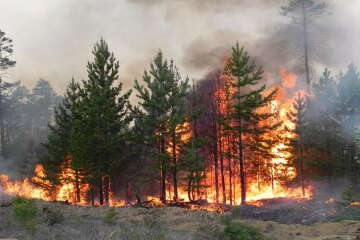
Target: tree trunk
107,190
189,187
176,198
301,170
230,171
215,151
222,170
128,193
163,172
77,187
92,195
242,167
306,47
101,193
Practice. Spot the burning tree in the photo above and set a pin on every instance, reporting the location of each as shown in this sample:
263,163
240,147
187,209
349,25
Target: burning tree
296,142
89,128
163,116
245,103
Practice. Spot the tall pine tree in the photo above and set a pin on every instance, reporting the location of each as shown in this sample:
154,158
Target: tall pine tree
162,116
247,98
105,117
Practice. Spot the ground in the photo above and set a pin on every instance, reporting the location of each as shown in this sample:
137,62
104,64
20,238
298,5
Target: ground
60,221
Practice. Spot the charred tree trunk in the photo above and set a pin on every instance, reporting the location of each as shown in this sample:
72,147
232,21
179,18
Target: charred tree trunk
189,188
107,190
301,168
176,198
92,195
77,186
163,171
242,167
128,193
222,171
230,171
215,151
101,193
219,137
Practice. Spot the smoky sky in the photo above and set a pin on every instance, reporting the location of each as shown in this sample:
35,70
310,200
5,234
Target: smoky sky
53,39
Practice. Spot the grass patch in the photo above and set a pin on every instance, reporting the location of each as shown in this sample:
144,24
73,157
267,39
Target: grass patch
239,231
348,217
110,216
25,212
53,216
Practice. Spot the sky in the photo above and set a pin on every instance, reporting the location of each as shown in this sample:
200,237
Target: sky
53,39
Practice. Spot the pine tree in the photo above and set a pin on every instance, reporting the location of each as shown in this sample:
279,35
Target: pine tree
43,102
323,130
178,126
61,141
297,116
246,101
193,162
304,13
105,117
6,51
162,116
349,110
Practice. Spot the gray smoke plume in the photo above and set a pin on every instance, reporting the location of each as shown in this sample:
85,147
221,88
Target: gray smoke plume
197,34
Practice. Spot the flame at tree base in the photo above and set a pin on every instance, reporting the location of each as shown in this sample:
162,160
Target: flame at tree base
66,193
258,187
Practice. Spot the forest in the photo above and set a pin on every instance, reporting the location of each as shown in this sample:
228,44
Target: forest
229,138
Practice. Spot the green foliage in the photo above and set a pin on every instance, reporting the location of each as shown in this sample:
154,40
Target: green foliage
6,52
239,231
25,211
348,218
161,114
110,216
91,124
243,117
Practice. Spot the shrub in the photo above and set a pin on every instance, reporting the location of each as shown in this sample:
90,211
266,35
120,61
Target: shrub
25,212
110,216
239,231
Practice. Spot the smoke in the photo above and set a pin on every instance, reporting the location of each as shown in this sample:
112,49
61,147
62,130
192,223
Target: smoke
209,5
53,39
332,44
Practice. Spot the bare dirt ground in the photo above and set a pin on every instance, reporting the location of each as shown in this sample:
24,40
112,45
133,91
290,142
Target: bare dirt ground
60,221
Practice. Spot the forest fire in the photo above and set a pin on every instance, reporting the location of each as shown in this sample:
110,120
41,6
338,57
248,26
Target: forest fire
267,178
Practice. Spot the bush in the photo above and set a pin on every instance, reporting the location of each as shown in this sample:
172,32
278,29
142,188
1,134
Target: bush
110,216
25,212
239,231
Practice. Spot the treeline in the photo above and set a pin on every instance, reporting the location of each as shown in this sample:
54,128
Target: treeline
209,140
329,127
177,134
99,135
24,116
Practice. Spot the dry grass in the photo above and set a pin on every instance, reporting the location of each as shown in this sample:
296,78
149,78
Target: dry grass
87,223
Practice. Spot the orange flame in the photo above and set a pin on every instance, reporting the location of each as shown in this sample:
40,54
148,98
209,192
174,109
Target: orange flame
257,188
